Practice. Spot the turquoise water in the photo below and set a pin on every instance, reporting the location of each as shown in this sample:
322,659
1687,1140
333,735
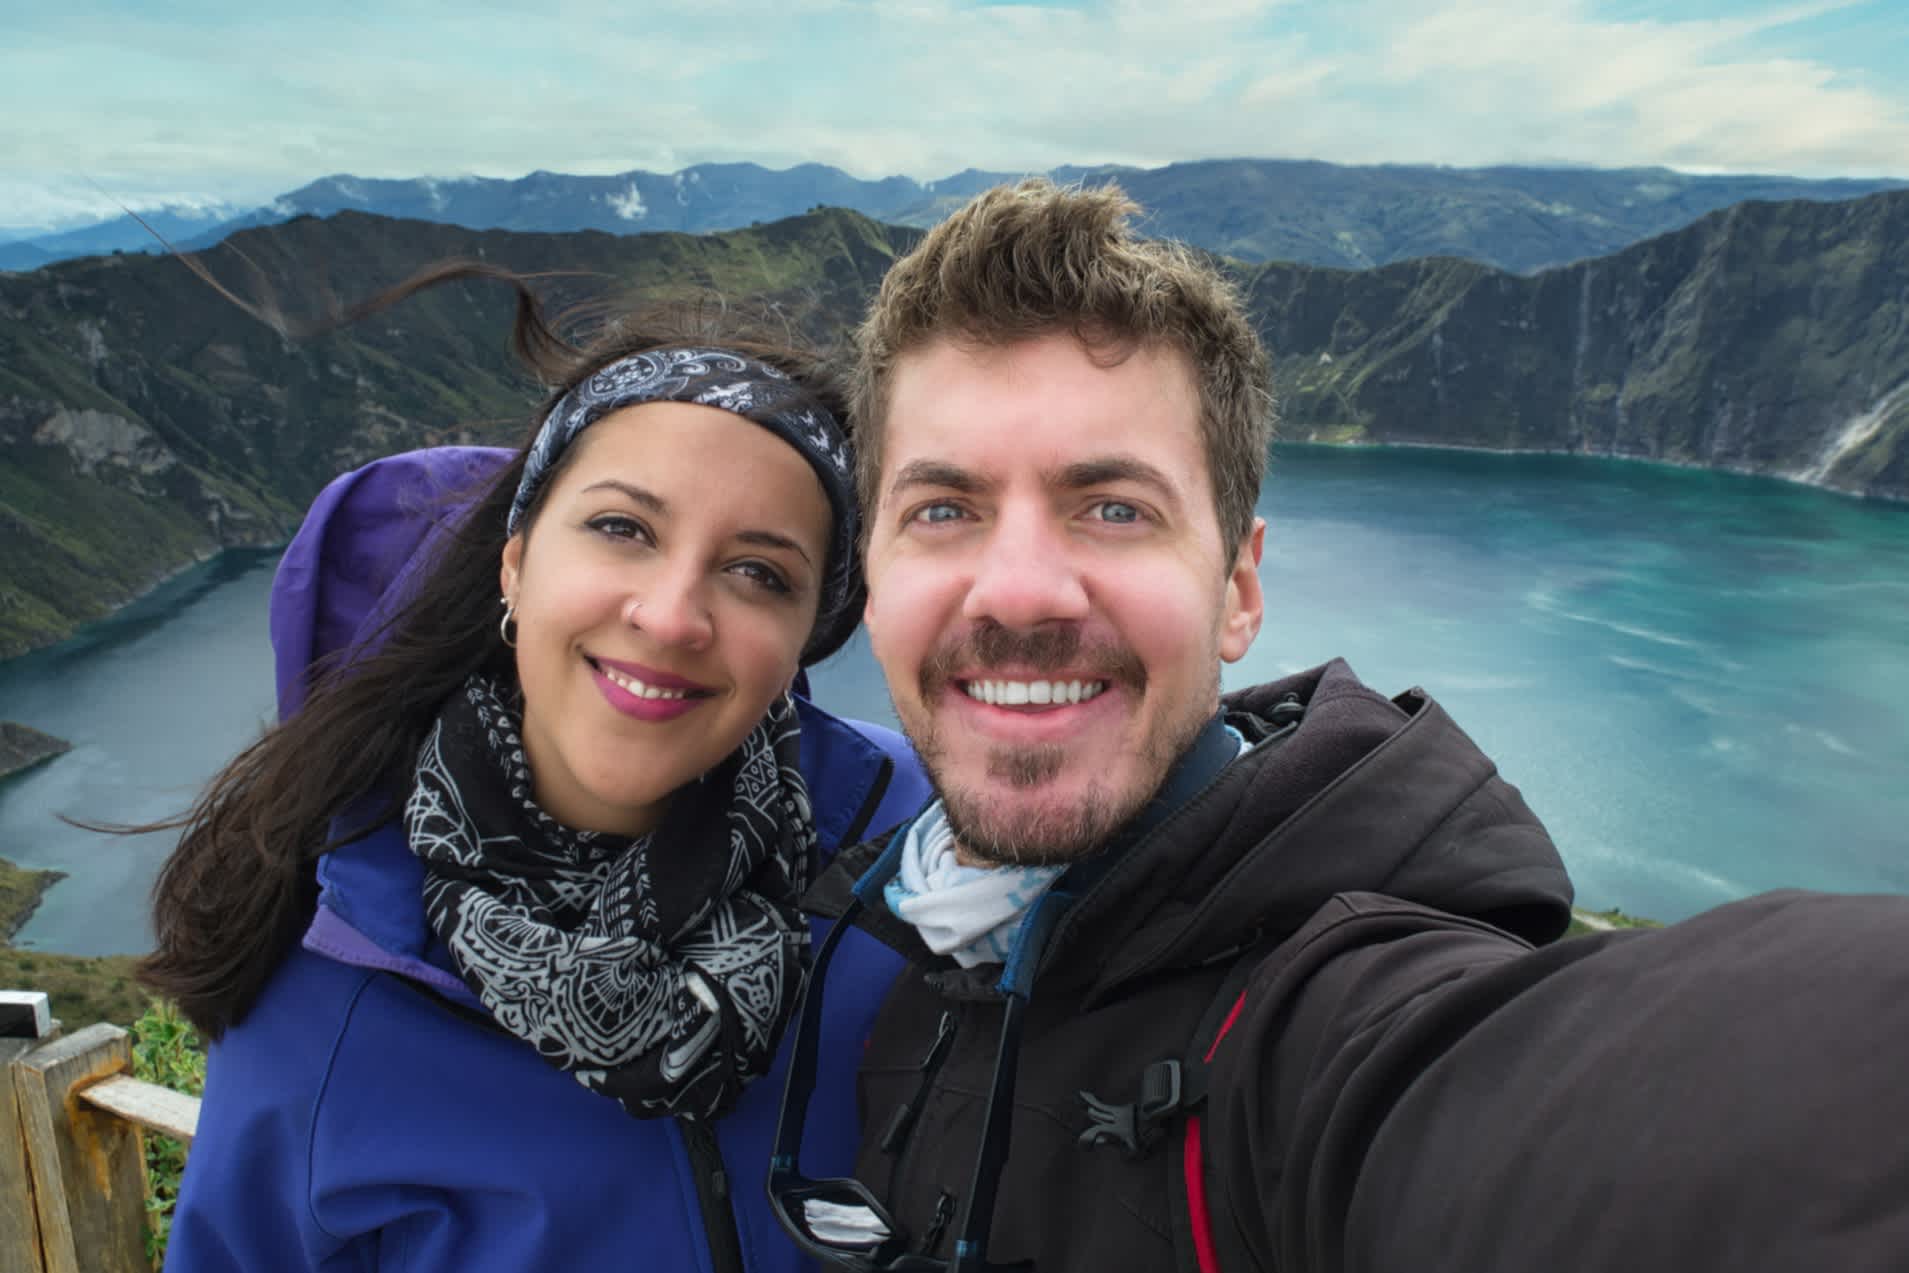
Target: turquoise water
153,700
1700,681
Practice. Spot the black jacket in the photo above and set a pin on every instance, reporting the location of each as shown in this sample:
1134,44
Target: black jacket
1407,1084
1364,794
1400,1091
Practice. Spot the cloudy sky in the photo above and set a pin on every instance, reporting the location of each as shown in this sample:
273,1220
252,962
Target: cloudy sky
143,102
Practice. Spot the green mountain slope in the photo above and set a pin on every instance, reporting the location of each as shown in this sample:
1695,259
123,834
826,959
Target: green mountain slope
146,423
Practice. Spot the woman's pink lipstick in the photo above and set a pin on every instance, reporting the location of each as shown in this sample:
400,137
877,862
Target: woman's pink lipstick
683,695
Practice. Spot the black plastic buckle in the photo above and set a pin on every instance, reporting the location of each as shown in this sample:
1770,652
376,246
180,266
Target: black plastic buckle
1135,1127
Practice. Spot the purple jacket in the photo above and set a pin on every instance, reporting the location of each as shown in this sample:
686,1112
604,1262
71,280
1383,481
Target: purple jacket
354,1120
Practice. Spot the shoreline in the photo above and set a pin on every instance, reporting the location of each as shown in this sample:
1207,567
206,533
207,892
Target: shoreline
23,747
1688,466
21,891
1588,921
158,582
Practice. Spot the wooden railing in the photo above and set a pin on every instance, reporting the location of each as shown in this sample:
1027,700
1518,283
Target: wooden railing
72,1166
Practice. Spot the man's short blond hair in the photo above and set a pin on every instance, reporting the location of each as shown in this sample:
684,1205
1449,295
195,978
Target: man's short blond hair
1021,261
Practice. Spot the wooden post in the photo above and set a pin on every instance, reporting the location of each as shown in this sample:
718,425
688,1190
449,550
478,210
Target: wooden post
88,1169
25,1020
19,1226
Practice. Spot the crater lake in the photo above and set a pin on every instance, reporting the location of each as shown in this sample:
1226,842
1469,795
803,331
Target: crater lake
1699,680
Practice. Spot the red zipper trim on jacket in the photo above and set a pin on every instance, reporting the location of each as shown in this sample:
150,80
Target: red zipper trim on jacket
1231,1017
1197,1214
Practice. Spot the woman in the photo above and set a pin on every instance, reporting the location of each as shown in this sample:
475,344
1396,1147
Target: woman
525,1011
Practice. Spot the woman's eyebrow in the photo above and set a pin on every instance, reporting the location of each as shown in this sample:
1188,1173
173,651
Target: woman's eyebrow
647,498
773,539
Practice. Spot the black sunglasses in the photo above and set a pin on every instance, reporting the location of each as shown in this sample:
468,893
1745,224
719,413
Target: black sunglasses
884,1248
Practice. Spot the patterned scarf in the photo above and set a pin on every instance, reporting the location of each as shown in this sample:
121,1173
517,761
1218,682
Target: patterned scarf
658,971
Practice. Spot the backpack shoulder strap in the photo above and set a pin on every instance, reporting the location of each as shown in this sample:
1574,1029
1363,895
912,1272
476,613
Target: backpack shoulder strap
1173,1094
1193,1217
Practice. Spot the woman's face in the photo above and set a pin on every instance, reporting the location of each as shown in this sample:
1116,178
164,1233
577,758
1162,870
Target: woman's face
663,596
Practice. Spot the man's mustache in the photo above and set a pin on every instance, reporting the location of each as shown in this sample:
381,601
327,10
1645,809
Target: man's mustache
1056,647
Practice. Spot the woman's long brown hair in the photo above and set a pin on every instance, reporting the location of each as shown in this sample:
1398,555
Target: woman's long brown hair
239,890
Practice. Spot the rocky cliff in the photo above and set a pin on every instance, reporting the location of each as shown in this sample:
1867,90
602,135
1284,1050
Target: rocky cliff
146,423
1767,338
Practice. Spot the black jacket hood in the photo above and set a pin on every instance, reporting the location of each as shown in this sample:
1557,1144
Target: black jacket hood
1365,794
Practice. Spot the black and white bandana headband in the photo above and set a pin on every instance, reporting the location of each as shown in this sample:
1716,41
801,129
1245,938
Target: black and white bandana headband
739,384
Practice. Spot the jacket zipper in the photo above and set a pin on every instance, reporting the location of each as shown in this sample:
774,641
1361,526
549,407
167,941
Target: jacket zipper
712,1195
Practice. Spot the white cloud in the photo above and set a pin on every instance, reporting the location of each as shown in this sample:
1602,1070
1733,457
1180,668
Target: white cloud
32,207
923,88
1550,80
629,204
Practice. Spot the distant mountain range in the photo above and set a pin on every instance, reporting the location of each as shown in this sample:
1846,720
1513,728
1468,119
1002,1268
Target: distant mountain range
1310,213
146,423
180,224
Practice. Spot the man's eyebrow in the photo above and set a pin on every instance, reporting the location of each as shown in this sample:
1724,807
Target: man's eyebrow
647,498
936,473
1113,468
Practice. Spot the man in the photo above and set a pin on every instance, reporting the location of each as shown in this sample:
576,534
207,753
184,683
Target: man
1263,983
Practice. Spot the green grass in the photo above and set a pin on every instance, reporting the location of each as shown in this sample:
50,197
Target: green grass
1599,921
169,1052
81,988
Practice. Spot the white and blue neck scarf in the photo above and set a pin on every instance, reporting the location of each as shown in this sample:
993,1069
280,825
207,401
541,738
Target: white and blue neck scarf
970,913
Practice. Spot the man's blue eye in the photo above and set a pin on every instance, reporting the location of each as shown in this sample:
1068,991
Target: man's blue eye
938,513
1114,510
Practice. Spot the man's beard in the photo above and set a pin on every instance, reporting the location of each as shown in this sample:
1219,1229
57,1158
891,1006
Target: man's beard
992,832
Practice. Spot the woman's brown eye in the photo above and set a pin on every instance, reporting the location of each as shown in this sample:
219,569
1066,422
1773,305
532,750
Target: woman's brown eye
763,574
618,527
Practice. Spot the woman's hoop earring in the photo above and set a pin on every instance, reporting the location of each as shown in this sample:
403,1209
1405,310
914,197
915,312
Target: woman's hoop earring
503,624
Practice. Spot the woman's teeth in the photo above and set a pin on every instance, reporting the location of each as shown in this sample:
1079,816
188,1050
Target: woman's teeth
640,689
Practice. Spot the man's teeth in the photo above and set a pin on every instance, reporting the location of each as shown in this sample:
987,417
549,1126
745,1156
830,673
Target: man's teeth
1020,693
640,688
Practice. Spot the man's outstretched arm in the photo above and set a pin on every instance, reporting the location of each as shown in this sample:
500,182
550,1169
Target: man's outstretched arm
1408,1091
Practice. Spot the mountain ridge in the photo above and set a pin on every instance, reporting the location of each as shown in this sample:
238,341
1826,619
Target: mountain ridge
146,423
1308,211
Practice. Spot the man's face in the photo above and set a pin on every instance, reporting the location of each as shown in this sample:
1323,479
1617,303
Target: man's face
1049,596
